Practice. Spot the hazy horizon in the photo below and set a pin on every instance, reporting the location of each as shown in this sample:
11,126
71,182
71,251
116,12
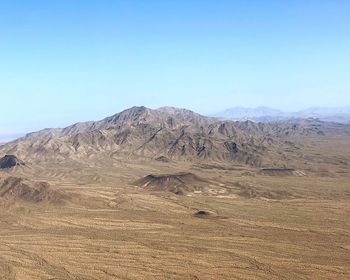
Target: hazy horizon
67,61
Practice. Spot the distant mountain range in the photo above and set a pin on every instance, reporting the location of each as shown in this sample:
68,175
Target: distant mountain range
6,137
266,114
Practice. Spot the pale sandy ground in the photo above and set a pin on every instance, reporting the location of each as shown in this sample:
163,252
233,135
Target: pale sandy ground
113,230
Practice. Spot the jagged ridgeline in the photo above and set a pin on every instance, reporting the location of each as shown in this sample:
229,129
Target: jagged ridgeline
162,134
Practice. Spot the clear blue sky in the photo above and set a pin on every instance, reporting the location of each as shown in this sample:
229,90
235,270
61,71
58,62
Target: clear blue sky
65,61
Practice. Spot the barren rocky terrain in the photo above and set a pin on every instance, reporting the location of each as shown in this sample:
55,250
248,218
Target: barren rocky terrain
170,194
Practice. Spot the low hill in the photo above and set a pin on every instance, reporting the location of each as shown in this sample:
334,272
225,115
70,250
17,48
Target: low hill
180,184
15,188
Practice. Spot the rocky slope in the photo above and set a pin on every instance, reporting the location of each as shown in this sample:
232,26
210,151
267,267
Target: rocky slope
176,134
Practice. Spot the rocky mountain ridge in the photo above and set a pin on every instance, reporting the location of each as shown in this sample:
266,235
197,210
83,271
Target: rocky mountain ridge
177,134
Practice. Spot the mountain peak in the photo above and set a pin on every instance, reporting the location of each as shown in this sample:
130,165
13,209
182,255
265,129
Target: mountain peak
131,114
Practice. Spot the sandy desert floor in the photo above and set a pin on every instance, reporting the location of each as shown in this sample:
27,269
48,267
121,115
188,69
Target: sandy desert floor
264,227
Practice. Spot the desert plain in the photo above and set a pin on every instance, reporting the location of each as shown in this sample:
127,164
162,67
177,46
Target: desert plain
142,217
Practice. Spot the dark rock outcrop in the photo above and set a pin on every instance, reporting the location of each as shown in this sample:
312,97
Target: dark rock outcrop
10,161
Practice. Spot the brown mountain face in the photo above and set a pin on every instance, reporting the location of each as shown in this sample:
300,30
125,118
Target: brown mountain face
175,134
